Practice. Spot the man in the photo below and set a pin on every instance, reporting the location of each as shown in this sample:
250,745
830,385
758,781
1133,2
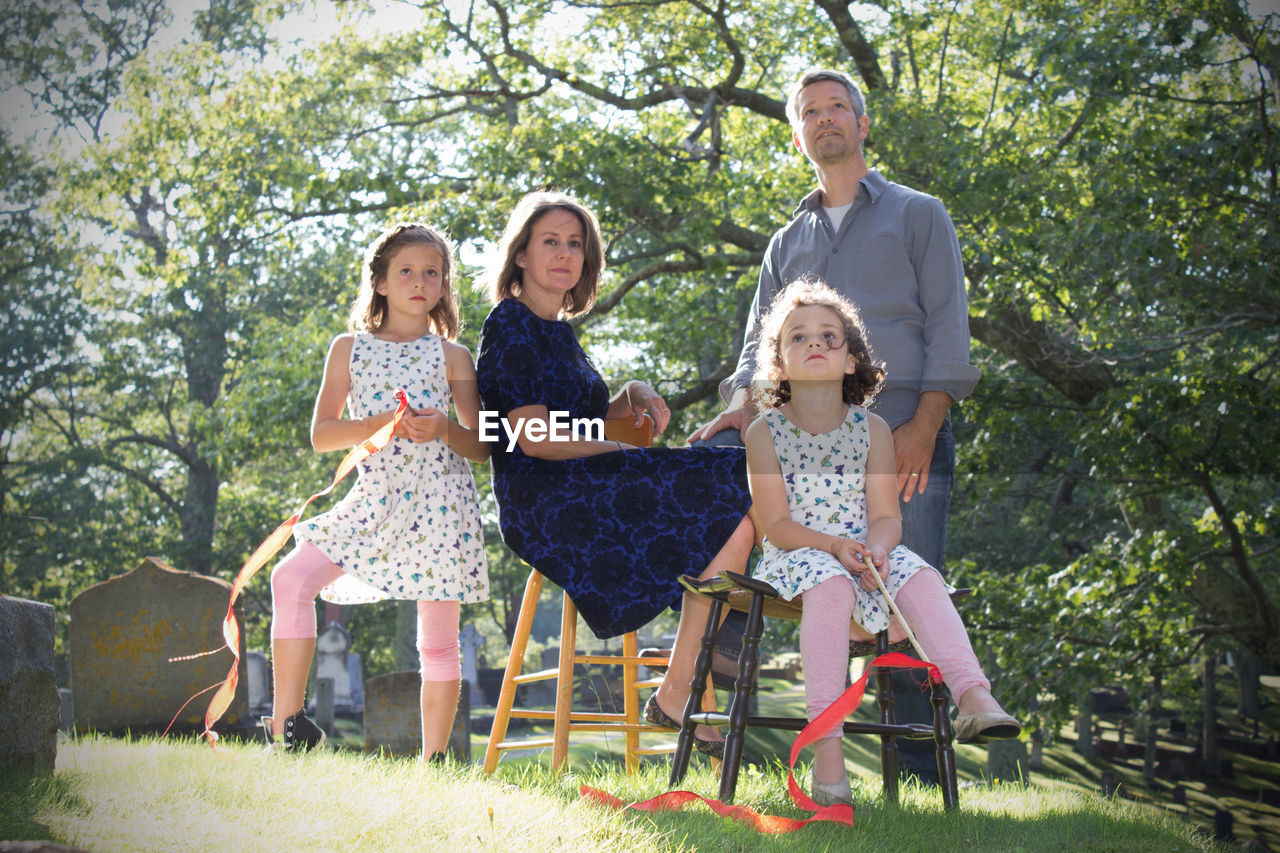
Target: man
893,251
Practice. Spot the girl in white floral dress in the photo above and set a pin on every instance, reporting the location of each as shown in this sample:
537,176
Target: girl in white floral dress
410,527
822,476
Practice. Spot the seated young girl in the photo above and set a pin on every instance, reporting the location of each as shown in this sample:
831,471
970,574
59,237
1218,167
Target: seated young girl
822,477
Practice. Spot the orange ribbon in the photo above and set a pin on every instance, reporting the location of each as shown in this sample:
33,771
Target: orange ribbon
226,689
834,715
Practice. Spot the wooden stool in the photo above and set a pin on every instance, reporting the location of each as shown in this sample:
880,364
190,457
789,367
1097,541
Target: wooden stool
629,722
758,599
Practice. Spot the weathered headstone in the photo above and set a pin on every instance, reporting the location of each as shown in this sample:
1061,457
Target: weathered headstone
123,633
1179,795
393,716
324,704
1007,761
66,714
542,692
1109,783
332,646
1223,825
258,683
29,706
470,641
355,682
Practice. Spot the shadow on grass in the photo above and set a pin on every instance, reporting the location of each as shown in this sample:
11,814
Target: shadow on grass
21,796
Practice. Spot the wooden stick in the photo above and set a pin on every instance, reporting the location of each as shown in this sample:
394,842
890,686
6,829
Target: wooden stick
893,607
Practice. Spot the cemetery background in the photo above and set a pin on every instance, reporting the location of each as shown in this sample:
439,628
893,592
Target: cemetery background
184,190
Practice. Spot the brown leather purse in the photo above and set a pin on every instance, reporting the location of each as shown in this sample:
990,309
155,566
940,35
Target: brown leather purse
624,429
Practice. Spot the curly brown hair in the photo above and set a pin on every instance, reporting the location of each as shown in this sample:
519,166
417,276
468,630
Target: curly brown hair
773,388
370,309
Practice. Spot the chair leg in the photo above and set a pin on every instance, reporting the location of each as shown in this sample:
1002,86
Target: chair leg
564,686
515,661
888,743
631,702
943,736
697,687
748,663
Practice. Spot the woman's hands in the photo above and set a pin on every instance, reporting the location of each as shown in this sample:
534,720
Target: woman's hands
851,554
641,398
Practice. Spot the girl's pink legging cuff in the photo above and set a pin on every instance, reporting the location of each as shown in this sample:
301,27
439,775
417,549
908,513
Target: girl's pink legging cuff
298,579
923,600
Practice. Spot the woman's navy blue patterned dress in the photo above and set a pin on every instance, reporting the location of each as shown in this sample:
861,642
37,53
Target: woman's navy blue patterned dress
615,530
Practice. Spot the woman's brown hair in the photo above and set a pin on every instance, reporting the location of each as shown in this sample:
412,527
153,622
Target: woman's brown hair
508,279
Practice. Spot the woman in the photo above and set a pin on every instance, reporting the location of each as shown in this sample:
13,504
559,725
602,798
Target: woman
611,524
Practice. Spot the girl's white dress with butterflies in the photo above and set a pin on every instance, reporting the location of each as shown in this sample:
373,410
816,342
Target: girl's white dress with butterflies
410,526
826,482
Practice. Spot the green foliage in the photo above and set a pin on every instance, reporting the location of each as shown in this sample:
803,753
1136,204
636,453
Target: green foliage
1111,169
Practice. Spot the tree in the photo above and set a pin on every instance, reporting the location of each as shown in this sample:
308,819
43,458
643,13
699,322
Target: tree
1112,171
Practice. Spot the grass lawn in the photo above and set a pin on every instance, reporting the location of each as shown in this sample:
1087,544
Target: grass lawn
173,795
113,794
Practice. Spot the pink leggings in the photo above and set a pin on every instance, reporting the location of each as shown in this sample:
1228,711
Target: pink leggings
298,579
923,600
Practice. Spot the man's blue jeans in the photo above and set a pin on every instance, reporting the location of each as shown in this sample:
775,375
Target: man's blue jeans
924,530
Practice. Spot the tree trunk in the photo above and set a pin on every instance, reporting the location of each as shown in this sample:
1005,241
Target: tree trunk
1248,671
1153,730
1084,727
198,517
1209,748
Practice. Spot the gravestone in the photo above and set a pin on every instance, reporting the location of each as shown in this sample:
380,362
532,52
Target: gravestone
257,683
1007,761
123,633
68,721
537,693
470,641
1223,825
393,716
332,647
355,682
1179,795
29,706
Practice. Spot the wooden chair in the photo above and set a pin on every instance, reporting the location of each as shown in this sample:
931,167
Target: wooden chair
629,722
758,599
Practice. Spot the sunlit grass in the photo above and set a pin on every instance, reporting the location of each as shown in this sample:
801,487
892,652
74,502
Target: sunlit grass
149,795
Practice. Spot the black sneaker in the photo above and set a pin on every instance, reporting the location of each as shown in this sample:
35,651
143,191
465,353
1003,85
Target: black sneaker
301,734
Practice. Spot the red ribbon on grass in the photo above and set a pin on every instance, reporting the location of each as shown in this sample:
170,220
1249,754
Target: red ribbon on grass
834,715
226,689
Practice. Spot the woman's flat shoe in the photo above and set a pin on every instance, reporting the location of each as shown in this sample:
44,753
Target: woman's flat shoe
654,714
831,793
985,726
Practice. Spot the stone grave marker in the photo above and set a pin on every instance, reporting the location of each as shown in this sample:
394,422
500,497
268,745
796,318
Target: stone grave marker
123,633
355,681
29,706
332,650
470,641
1007,761
258,683
393,716
68,721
